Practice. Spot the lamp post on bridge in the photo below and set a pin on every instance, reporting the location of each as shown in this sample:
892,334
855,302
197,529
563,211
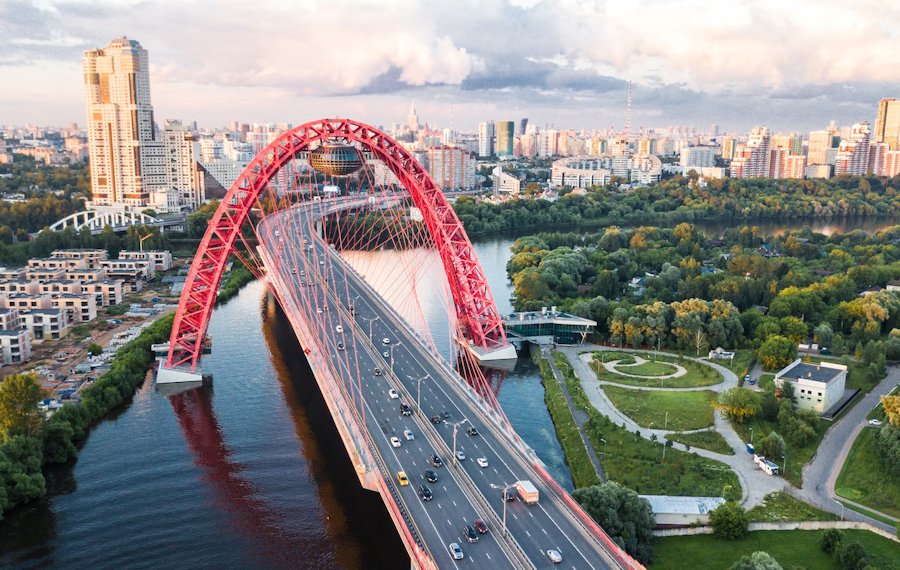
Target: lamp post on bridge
392,355
505,489
419,392
455,428
372,320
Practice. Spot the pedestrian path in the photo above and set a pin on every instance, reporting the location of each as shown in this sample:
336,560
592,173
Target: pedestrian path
616,368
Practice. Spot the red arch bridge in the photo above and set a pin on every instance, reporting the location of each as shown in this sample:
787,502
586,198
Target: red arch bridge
360,247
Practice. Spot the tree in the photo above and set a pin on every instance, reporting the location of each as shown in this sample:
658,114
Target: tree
625,516
787,392
729,521
891,405
58,446
19,397
738,403
777,352
94,349
794,329
831,540
853,557
759,560
772,445
887,440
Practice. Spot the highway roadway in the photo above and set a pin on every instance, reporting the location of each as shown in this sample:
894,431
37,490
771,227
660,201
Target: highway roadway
353,323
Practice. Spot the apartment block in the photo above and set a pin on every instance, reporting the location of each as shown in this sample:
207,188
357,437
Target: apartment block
106,293
24,302
46,324
86,275
92,257
80,308
36,274
57,263
60,287
15,346
162,260
10,319
13,286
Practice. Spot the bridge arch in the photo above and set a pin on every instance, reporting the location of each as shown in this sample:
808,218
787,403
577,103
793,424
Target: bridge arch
476,310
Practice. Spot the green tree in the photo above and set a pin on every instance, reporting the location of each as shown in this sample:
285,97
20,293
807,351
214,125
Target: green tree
759,560
19,397
854,557
777,352
58,446
887,440
831,540
772,445
94,349
738,403
626,517
729,521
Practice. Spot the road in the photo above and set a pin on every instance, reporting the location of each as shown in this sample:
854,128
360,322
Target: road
372,336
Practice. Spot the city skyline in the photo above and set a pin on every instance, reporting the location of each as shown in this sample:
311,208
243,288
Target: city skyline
565,63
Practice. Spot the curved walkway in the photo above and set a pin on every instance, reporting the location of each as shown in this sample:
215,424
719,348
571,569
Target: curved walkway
755,484
613,366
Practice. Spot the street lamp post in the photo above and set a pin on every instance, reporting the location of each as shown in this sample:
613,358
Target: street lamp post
505,500
751,436
666,425
784,469
455,428
372,320
392,356
419,392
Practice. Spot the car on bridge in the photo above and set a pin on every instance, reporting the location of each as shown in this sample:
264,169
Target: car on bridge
385,341
482,462
436,420
340,346
470,534
376,371
455,551
461,455
393,394
402,478
405,410
425,493
386,354
395,441
554,556
436,460
480,526
430,476
408,434
339,329
471,430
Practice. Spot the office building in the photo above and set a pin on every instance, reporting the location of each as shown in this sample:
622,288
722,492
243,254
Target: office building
485,139
120,125
887,124
505,138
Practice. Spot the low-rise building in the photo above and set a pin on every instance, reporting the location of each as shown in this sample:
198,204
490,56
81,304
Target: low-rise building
11,274
59,263
92,257
15,346
505,183
143,267
80,308
107,292
10,319
25,301
46,324
86,275
41,274
161,260
12,286
672,511
817,385
60,287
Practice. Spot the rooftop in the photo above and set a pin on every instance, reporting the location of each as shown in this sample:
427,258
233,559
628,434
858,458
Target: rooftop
682,505
817,371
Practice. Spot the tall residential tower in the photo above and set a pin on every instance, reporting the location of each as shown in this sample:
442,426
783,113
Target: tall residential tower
887,125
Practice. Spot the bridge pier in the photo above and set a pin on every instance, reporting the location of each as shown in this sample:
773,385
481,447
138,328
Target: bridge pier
174,374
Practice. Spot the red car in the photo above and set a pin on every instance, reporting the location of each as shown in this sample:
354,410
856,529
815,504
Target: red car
480,526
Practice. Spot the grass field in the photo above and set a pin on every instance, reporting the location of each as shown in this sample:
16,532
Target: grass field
744,360
648,368
766,380
864,479
697,374
686,410
779,507
796,456
794,550
638,463
710,440
583,472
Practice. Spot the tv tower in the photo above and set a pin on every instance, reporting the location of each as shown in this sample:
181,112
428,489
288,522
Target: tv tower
628,113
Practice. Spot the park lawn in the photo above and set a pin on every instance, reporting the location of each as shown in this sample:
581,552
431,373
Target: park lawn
743,361
797,457
580,465
697,374
778,506
766,380
638,463
793,549
863,479
648,368
648,408
710,440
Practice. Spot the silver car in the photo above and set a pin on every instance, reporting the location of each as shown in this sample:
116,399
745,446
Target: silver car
455,551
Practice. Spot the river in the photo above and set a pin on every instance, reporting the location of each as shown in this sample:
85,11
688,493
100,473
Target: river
248,471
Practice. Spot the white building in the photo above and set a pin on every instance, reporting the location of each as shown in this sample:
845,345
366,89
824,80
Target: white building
505,183
46,324
818,386
586,171
15,346
486,139
699,156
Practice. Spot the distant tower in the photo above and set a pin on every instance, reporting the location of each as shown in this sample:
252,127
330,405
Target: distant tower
628,113
120,126
505,138
523,126
486,139
412,121
887,124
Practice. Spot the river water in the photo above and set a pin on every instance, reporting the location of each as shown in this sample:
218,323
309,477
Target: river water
248,472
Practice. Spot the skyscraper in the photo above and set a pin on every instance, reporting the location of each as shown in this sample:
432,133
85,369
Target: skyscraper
887,125
412,120
119,123
505,138
486,139
853,153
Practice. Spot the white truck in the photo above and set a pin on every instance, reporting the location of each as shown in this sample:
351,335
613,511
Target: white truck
527,492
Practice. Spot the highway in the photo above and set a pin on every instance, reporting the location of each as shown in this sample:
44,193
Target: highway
361,334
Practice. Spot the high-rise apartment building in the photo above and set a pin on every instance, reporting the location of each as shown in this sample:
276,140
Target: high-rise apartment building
697,156
119,123
505,138
486,139
548,143
818,150
853,153
752,160
451,167
887,125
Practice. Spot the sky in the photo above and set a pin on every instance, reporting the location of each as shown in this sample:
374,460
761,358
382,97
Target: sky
793,65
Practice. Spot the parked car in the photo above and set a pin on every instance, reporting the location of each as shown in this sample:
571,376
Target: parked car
874,422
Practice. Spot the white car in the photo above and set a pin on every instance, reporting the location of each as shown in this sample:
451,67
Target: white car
482,462
408,434
339,329
319,310
554,556
461,455
385,341
393,394
395,441
876,423
386,354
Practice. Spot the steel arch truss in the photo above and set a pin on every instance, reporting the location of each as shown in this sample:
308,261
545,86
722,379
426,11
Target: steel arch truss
477,314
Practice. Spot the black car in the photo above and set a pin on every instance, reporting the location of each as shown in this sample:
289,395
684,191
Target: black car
510,494
425,493
471,430
431,476
405,410
436,460
340,346
470,533
377,371
445,414
436,420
